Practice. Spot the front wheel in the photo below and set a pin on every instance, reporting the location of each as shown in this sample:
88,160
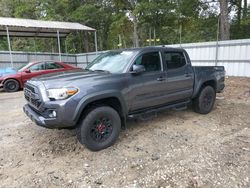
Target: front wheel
11,85
204,102
100,128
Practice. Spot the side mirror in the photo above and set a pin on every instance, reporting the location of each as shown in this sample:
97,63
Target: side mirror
27,71
138,69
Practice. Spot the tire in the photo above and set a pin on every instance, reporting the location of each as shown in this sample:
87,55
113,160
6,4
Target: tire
204,102
100,128
11,85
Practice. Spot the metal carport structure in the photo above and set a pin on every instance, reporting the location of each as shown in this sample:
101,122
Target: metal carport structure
17,27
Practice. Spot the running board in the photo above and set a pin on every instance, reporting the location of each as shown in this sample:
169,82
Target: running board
178,107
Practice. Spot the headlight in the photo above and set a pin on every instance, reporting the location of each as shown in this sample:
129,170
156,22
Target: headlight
61,93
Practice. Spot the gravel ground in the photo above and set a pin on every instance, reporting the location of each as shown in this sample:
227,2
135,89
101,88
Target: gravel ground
174,149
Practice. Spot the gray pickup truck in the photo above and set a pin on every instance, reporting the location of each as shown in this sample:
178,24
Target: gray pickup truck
119,85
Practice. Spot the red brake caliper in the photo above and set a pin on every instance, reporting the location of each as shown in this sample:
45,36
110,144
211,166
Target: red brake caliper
101,128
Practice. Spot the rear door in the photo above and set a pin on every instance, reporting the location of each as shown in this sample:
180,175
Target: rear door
53,67
180,76
148,88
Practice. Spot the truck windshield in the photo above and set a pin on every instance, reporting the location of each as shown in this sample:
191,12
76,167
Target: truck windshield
113,62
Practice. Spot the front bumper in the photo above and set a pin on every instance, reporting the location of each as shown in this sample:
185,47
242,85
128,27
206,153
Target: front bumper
38,119
51,123
1,83
47,113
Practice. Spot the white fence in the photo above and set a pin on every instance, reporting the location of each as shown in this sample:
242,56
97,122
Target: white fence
234,55
19,58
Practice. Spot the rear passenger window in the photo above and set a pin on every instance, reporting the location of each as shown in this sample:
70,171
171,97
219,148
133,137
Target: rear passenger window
52,65
151,61
174,60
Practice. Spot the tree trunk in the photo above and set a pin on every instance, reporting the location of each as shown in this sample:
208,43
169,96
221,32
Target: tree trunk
224,20
150,36
86,42
132,7
239,5
245,9
135,34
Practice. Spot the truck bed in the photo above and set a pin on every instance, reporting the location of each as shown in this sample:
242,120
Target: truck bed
204,73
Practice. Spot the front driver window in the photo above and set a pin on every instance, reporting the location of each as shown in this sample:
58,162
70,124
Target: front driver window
151,61
37,67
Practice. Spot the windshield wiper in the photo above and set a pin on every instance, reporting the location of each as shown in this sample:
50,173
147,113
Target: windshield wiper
100,70
96,70
90,70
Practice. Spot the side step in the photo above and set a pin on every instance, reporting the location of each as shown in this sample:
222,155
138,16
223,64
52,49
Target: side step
178,107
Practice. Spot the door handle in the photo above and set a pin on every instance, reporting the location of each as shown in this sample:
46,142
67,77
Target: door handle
161,79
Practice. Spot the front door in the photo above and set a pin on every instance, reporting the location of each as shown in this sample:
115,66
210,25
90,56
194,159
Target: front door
148,88
33,71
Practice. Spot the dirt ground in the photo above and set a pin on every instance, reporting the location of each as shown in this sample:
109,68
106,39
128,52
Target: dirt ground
175,149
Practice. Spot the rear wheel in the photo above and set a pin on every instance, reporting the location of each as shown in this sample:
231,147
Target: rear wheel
100,128
11,85
204,102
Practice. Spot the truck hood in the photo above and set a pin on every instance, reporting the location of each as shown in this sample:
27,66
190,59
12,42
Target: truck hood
69,78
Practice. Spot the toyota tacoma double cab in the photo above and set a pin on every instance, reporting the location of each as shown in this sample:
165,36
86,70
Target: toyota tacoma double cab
119,85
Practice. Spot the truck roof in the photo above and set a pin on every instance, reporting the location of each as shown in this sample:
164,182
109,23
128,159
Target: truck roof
150,48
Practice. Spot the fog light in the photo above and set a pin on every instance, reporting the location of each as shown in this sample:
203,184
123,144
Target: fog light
52,114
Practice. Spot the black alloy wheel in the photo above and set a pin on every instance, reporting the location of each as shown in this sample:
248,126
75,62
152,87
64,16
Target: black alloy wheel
99,128
204,102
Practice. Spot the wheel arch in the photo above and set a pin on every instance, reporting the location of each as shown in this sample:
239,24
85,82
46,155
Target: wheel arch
211,83
113,100
201,85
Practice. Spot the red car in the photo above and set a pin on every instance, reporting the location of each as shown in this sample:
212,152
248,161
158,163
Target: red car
14,80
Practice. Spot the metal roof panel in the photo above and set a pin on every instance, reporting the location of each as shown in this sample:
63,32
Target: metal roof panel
35,26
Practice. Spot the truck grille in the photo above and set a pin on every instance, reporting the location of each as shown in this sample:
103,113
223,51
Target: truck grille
31,96
32,89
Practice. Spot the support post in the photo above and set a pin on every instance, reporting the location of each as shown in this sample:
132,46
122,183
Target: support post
59,45
96,48
65,43
150,36
34,41
180,33
217,42
154,36
120,41
9,45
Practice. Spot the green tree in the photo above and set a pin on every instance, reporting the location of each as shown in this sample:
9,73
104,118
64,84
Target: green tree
129,23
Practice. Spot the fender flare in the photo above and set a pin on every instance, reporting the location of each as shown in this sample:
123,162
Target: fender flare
98,96
199,85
